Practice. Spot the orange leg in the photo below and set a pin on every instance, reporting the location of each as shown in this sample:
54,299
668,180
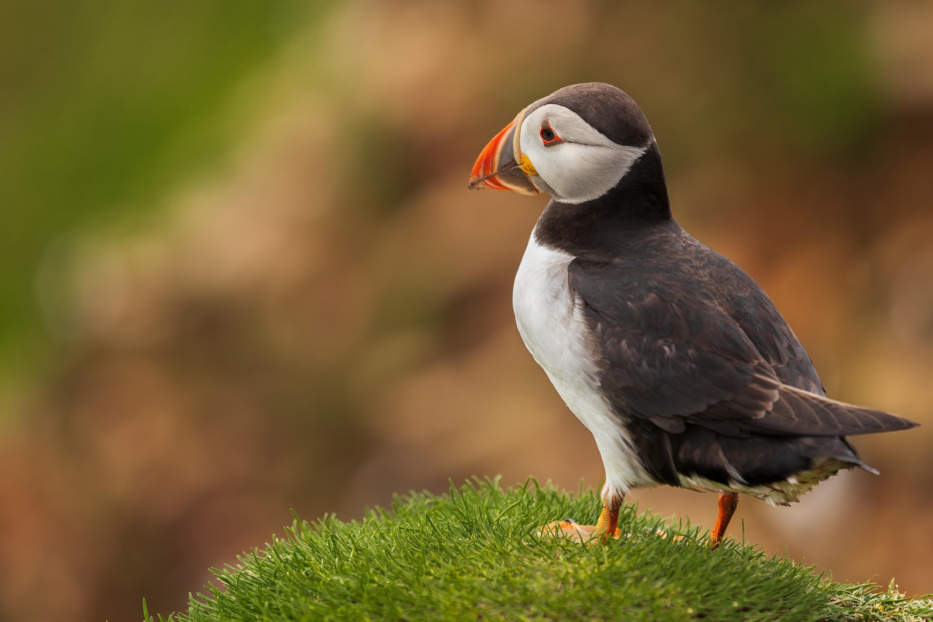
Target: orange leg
608,523
727,503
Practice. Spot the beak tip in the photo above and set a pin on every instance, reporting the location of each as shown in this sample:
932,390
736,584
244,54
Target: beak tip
477,183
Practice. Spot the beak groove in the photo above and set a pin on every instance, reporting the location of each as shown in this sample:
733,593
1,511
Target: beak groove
495,183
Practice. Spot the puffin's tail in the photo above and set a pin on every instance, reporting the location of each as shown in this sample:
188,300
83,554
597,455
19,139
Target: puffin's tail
800,412
757,460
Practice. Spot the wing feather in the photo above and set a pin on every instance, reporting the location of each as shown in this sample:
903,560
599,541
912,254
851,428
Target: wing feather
714,353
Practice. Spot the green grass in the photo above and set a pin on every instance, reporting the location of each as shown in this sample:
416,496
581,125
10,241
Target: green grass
473,554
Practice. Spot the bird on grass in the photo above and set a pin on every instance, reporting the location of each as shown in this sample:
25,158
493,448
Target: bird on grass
675,360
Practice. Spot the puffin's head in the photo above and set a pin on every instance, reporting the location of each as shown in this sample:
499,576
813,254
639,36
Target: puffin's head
575,144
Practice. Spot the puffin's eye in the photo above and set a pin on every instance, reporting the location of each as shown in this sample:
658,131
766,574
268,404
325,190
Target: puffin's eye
549,136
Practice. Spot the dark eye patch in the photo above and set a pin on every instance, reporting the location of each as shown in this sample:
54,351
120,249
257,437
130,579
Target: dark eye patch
548,135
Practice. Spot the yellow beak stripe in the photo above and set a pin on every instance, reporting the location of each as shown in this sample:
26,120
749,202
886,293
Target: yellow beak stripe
523,162
527,167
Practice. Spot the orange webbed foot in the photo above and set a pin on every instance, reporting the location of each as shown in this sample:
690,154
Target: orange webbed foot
587,534
569,528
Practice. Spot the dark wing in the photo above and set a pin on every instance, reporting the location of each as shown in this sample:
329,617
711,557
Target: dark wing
674,353
760,321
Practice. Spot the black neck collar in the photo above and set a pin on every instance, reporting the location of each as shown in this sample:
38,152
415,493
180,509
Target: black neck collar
600,226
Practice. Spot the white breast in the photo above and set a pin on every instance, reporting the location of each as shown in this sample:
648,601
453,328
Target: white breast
550,321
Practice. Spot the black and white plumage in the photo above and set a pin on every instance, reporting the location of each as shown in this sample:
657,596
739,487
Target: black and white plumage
673,357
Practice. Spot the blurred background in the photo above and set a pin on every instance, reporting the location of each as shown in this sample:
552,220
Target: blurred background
242,272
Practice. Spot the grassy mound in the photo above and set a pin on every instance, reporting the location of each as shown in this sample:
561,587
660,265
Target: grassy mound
473,554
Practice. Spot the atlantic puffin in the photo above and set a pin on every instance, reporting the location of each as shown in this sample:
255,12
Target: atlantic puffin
674,358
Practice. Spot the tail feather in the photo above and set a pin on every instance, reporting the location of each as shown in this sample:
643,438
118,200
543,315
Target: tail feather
774,468
800,412
848,454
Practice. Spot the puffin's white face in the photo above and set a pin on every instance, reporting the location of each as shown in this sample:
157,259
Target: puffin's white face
567,157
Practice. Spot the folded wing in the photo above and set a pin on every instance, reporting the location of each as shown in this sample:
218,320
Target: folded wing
677,353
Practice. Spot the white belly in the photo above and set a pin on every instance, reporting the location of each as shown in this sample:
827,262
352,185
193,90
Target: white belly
551,323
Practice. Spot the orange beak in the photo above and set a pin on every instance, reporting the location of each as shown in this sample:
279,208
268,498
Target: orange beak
496,166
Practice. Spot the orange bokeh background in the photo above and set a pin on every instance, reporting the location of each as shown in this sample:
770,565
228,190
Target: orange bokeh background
317,314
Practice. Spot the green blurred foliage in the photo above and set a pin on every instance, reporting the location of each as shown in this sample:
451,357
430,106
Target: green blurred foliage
816,75
382,154
107,106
